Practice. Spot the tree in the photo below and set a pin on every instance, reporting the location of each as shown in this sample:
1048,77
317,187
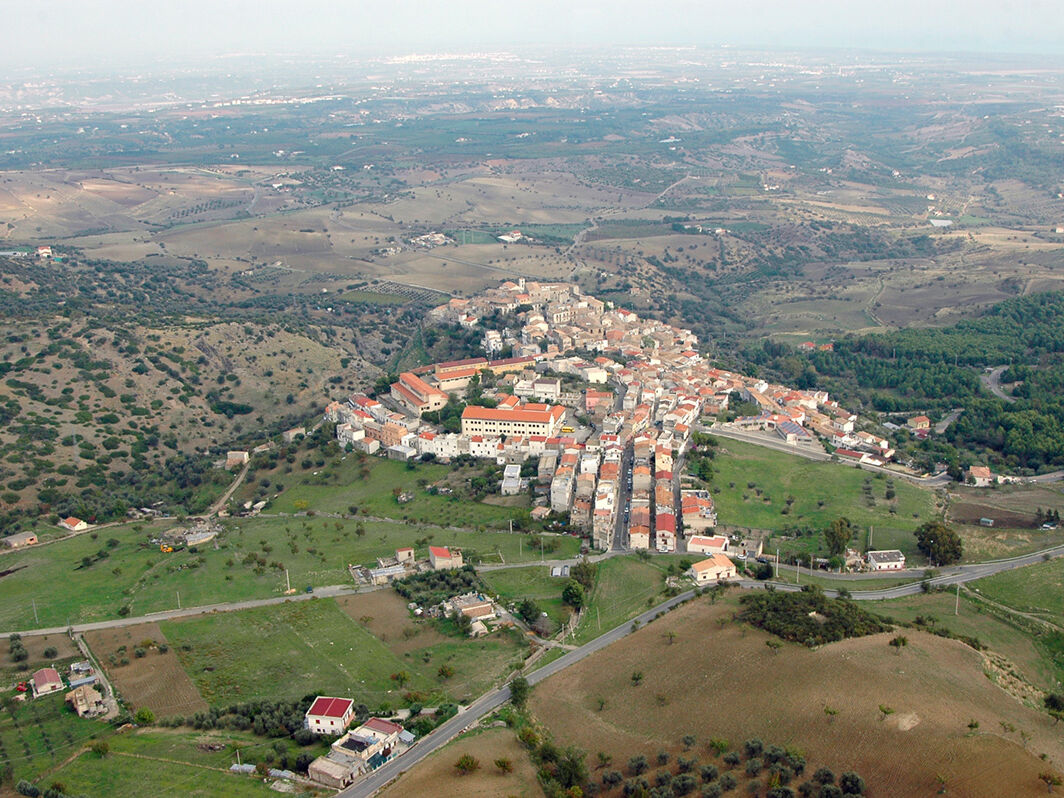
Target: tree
851,784
528,611
775,645
519,690
637,765
101,748
584,573
1054,704
466,764
1050,779
573,594
838,536
144,716
899,642
939,543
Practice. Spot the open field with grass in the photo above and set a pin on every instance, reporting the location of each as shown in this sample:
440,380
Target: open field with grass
436,774
288,651
369,483
1030,658
534,582
156,679
126,774
624,587
1037,590
38,734
934,688
246,561
753,485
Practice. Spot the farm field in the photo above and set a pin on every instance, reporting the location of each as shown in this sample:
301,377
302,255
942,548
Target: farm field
291,650
38,734
933,688
436,776
764,480
368,483
127,775
246,561
155,680
1030,657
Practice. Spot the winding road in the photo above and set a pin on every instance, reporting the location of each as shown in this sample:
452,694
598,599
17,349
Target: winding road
992,382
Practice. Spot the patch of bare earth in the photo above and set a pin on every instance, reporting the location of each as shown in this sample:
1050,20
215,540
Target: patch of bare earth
156,680
383,613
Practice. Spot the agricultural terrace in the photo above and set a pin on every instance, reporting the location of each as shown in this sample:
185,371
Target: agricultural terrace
119,572
372,485
290,650
907,725
759,488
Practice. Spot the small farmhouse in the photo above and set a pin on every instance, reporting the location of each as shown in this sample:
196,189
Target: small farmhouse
886,560
20,539
441,558
330,715
45,681
716,569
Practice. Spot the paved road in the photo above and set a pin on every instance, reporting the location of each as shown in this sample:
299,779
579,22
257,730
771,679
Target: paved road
943,425
992,382
489,702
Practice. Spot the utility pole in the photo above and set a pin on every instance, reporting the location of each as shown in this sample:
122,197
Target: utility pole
777,563
871,529
287,582
36,620
798,571
179,599
957,605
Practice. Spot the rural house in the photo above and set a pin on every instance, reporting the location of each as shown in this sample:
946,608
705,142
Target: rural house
45,681
716,569
20,539
887,560
330,715
441,558
74,524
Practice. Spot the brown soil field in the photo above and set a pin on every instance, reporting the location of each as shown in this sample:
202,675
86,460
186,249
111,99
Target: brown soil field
715,681
436,776
389,621
972,512
156,680
36,644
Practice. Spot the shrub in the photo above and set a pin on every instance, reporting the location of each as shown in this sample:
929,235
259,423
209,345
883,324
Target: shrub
466,764
753,747
753,766
50,652
709,773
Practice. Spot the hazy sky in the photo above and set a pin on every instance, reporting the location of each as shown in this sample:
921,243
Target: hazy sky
40,32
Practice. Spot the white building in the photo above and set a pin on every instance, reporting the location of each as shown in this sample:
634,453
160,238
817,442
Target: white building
886,560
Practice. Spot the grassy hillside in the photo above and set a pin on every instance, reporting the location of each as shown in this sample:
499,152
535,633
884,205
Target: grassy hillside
717,678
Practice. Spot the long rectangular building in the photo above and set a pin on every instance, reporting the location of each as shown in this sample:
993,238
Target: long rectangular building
416,395
531,419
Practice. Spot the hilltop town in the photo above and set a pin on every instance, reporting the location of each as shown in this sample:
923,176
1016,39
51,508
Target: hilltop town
605,403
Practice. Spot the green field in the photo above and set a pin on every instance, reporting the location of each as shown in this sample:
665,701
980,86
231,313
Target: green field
534,582
753,484
122,774
1033,660
624,587
293,650
825,580
37,735
1036,590
367,483
137,575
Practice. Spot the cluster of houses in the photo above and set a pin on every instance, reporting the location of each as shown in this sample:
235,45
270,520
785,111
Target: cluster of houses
404,563
356,752
82,696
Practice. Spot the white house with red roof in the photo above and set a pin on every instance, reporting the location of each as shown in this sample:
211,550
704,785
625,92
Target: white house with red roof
45,681
716,569
74,524
442,558
329,715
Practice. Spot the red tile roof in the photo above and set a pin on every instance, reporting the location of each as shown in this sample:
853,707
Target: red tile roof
327,707
440,551
383,726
